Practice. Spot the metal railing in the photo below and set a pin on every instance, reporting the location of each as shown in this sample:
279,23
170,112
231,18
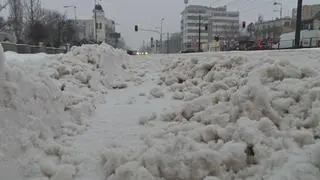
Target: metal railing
31,49
313,42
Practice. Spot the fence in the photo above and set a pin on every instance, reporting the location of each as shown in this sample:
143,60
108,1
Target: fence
31,49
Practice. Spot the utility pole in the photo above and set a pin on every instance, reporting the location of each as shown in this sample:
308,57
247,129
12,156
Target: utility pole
161,24
298,24
168,43
75,14
199,38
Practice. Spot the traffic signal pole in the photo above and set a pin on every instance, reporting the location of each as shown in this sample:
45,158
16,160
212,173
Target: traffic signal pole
199,38
298,24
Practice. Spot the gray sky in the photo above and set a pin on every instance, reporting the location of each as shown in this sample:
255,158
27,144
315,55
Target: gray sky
147,13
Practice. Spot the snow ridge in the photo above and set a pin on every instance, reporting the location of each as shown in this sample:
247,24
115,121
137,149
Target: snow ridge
44,104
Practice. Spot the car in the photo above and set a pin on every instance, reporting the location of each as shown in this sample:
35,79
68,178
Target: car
132,52
190,51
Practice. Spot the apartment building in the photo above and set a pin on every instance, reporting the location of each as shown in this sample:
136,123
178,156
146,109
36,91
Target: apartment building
312,24
213,21
308,11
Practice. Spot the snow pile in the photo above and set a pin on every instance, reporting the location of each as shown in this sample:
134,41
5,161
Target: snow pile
156,93
244,118
43,106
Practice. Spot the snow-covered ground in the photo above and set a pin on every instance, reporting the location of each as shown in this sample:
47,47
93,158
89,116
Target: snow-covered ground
99,114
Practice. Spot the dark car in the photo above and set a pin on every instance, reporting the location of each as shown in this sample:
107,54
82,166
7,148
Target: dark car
190,51
131,52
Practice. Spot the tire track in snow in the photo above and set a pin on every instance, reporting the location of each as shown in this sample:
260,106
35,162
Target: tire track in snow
117,121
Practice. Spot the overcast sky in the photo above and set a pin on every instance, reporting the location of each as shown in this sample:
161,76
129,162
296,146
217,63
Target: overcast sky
147,13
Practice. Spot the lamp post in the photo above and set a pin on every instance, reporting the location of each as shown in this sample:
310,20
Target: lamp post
74,10
281,7
281,20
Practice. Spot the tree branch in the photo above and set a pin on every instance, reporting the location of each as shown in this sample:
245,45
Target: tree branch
2,7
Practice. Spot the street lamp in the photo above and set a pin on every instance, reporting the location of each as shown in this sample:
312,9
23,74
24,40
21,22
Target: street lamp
281,8
75,11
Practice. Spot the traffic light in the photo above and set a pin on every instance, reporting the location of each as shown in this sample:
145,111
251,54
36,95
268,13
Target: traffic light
206,27
243,24
136,28
151,42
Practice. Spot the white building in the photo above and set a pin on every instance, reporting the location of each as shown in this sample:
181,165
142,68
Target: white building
103,30
214,21
273,28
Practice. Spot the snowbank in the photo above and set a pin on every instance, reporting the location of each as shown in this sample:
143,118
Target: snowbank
44,104
248,116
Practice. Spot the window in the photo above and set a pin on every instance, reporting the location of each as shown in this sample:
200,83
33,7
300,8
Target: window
196,11
100,26
196,30
233,15
286,24
197,18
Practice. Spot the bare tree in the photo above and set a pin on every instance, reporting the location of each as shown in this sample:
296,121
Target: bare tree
16,18
32,11
4,5
51,16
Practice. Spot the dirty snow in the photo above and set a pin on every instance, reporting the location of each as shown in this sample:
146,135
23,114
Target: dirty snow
99,114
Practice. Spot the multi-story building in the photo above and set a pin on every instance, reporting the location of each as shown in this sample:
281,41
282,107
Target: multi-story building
308,11
173,44
213,21
312,24
102,30
273,28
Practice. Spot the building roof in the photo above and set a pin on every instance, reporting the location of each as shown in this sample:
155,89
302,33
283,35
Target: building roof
221,8
275,20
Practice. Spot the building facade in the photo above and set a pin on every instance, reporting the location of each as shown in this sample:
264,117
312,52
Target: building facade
308,11
312,24
173,44
273,28
213,21
103,30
